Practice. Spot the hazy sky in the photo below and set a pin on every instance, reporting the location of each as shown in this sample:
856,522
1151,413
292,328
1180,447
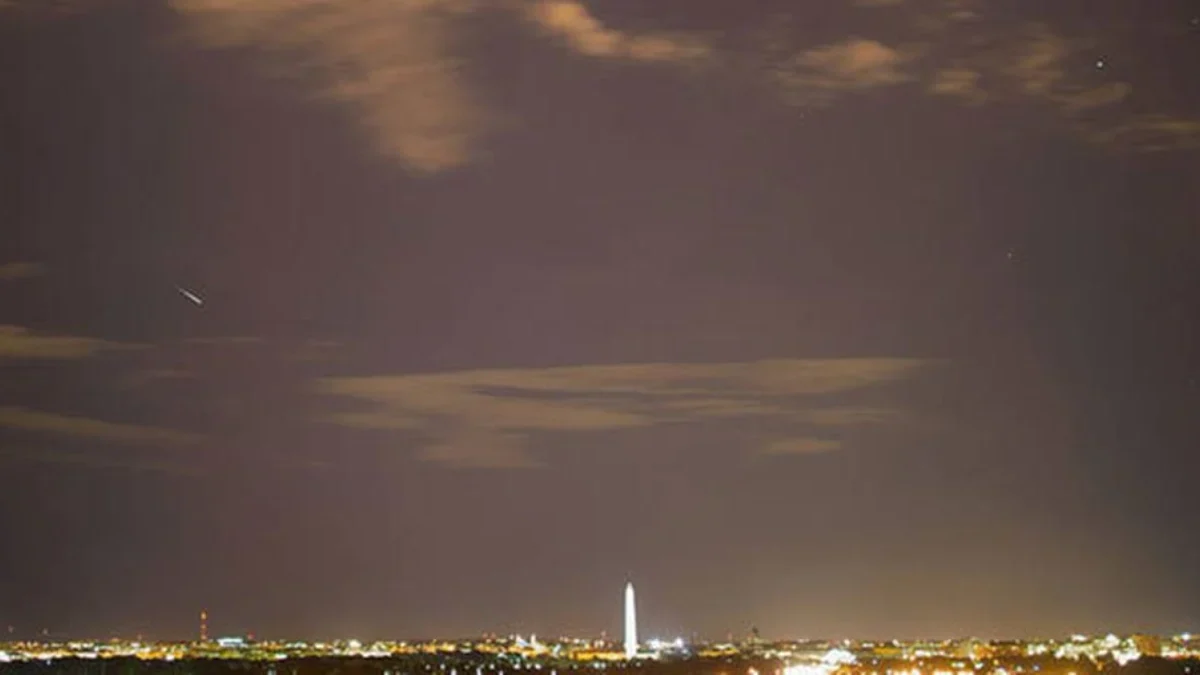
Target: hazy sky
835,318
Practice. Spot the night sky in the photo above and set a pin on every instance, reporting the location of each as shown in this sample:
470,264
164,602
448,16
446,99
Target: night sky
412,318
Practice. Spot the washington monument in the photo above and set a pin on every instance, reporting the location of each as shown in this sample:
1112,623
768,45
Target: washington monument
631,643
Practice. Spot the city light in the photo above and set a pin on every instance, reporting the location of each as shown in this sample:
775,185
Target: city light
1070,655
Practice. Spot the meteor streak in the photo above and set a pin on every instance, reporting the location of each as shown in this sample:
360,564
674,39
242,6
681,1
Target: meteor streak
190,296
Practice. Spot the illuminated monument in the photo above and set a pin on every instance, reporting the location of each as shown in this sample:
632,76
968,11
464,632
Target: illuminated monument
631,643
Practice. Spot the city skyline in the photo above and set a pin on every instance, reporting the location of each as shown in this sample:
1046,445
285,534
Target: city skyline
629,643
846,318
813,657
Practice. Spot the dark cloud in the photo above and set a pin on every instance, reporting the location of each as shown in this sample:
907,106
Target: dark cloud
951,52
20,270
583,32
400,66
17,342
96,460
855,64
481,418
225,341
35,421
799,446
393,63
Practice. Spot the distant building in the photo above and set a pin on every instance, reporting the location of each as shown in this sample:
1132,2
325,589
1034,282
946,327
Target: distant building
1147,645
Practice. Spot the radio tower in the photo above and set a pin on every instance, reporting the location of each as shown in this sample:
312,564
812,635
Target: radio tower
203,625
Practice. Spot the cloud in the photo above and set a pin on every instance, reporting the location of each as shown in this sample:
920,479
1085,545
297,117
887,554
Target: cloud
18,343
51,6
800,446
480,451
24,419
1039,68
1035,64
390,420
1084,99
93,460
961,83
392,61
483,418
316,351
850,416
961,10
1051,69
152,375
228,341
1038,64
949,48
399,66
857,64
583,32
20,270
1150,132
396,63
